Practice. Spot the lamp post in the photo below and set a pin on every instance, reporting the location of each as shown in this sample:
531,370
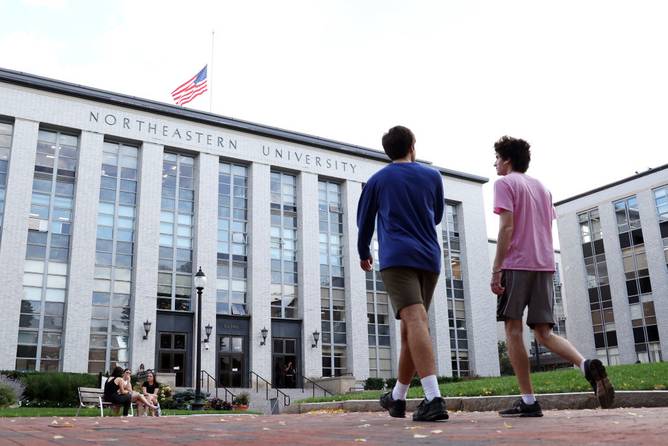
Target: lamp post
200,283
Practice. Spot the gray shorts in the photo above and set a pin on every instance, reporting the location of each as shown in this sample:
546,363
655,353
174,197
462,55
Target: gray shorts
526,288
409,286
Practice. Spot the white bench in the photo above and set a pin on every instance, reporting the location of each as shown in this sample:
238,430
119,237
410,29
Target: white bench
93,397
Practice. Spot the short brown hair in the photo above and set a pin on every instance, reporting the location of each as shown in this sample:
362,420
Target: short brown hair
397,142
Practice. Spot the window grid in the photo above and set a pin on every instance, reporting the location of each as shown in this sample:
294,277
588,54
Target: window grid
378,315
112,292
560,316
598,285
638,284
284,277
454,284
332,292
176,233
661,201
231,288
47,253
6,131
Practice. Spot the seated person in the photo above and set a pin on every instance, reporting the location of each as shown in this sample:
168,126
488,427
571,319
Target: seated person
114,391
135,397
151,388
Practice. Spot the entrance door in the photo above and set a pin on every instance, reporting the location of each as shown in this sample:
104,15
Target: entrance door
284,363
172,355
231,360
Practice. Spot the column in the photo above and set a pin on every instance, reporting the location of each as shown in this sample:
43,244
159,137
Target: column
356,311
78,304
15,235
309,271
259,262
206,252
146,256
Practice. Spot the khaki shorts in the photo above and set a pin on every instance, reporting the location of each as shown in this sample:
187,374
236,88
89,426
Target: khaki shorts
526,288
409,286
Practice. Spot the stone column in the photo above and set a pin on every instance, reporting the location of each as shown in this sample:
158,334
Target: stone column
147,234
15,235
309,271
355,281
259,262
78,305
206,252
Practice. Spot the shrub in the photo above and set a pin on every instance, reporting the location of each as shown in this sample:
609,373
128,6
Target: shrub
15,384
164,394
390,382
55,389
7,396
218,404
242,399
373,384
183,399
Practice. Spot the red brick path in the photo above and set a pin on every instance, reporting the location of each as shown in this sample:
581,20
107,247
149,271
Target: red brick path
603,427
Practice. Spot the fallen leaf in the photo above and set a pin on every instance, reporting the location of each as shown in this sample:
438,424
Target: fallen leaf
437,431
58,437
633,414
419,436
360,440
282,423
508,426
364,425
266,429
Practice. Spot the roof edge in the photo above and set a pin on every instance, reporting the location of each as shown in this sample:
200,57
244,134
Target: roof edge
148,105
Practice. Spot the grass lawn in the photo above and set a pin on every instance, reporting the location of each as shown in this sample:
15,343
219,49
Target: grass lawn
624,377
87,412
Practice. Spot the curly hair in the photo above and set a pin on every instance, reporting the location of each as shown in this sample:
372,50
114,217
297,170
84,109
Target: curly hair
516,150
398,141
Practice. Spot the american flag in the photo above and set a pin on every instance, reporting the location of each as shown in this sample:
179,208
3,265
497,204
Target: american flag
190,89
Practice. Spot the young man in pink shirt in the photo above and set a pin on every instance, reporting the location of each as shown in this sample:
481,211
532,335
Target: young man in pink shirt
522,274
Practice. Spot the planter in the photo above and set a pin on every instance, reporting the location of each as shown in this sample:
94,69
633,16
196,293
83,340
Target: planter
240,407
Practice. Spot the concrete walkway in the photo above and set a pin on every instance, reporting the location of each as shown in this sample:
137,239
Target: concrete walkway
597,427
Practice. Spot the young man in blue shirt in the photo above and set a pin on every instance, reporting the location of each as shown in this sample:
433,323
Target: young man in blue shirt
406,199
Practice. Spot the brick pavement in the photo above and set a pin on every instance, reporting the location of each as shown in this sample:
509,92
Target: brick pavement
602,427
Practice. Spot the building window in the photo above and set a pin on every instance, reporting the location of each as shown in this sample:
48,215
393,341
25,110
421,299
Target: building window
47,253
661,200
232,239
638,283
284,245
332,292
559,314
378,315
6,131
175,267
598,286
454,285
114,259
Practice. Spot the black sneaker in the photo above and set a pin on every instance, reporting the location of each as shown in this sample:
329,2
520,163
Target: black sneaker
598,378
521,409
433,410
397,408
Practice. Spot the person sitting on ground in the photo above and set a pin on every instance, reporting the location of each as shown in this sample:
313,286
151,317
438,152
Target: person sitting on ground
135,397
113,391
151,388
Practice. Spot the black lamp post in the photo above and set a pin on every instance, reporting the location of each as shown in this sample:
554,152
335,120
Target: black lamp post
200,283
316,336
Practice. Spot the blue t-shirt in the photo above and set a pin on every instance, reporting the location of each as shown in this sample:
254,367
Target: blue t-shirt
408,200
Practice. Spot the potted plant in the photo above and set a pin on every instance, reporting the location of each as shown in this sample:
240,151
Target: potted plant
241,401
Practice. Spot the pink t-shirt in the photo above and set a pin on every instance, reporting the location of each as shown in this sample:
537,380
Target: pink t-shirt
531,204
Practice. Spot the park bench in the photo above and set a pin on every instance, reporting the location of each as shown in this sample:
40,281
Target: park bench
93,397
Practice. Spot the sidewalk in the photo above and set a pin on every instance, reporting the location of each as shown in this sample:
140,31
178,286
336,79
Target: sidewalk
599,427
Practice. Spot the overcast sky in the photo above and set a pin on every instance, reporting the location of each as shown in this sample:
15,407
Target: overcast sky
585,82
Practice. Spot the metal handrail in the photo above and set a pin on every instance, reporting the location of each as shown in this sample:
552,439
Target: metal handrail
215,384
286,397
314,385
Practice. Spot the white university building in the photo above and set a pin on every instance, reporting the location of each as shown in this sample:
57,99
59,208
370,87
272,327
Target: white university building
110,203
614,247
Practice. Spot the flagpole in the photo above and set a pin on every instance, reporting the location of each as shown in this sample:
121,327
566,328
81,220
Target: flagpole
210,75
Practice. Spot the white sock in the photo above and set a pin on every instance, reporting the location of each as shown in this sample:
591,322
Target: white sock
400,391
528,398
582,367
430,387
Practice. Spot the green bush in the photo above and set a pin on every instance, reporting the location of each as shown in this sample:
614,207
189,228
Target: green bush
55,389
373,384
7,395
390,382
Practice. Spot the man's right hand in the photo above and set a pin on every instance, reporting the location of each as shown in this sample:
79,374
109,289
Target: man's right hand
367,264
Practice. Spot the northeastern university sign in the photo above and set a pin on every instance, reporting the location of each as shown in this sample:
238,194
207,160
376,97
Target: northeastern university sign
210,140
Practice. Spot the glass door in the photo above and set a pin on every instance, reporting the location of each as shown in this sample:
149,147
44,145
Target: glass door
172,355
231,361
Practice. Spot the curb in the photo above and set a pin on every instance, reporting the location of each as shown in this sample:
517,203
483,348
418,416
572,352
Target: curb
548,401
